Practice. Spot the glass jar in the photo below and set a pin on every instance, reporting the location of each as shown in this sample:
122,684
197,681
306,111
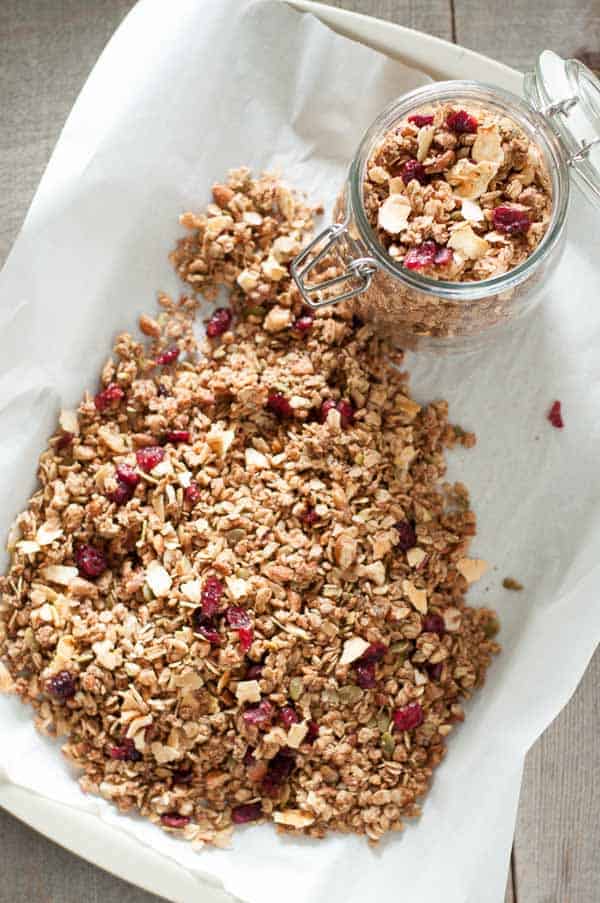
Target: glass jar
561,117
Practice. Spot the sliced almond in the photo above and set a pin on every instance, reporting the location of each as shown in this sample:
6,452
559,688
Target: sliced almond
452,619
293,818
48,532
393,214
277,319
252,217
7,684
69,421
353,649
28,546
285,248
248,691
488,145
417,597
217,224
415,557
296,734
375,572
158,579
255,460
396,185
345,550
192,590
219,439
247,280
467,243
237,587
424,139
378,175
471,568
59,573
273,270
114,440
471,211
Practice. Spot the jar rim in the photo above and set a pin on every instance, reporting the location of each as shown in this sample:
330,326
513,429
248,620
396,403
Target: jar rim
527,118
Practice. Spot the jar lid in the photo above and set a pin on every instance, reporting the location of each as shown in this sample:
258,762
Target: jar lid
568,94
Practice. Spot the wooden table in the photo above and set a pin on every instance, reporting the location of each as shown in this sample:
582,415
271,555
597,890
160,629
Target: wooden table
47,48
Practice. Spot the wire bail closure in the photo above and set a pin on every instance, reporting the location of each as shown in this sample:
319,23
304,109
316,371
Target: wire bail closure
358,267
562,108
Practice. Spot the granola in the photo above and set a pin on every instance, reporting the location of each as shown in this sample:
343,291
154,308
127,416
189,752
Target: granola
458,194
239,591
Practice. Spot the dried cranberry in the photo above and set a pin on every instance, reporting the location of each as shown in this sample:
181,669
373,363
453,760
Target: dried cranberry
168,357
409,717
346,412
205,627
61,686
219,322
421,256
435,671
510,220
65,440
254,672
126,751
434,624
309,516
289,716
211,596
183,776
90,561
241,815
149,456
246,637
192,493
280,768
327,406
313,732
178,436
555,416
237,617
420,120
121,494
109,396
128,475
443,257
365,675
407,537
305,322
278,404
374,653
462,122
174,820
412,169
261,713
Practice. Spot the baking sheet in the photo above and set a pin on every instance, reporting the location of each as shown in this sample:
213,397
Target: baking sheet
173,103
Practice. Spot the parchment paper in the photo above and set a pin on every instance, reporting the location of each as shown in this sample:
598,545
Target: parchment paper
183,92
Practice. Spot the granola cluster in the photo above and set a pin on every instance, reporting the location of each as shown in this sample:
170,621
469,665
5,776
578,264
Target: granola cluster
460,194
239,591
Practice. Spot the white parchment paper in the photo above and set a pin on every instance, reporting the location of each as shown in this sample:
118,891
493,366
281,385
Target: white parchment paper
183,92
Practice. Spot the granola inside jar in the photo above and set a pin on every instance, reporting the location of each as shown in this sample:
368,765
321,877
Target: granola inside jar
450,221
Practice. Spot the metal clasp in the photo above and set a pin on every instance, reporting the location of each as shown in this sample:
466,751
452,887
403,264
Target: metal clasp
358,267
562,108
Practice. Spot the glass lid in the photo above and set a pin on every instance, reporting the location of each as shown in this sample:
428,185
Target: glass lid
568,94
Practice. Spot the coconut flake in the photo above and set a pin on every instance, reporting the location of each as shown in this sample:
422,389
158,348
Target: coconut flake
158,579
488,145
471,568
464,240
393,214
353,649
472,211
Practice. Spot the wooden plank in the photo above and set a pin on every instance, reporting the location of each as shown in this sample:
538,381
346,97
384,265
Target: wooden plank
515,31
433,17
35,870
558,830
48,50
